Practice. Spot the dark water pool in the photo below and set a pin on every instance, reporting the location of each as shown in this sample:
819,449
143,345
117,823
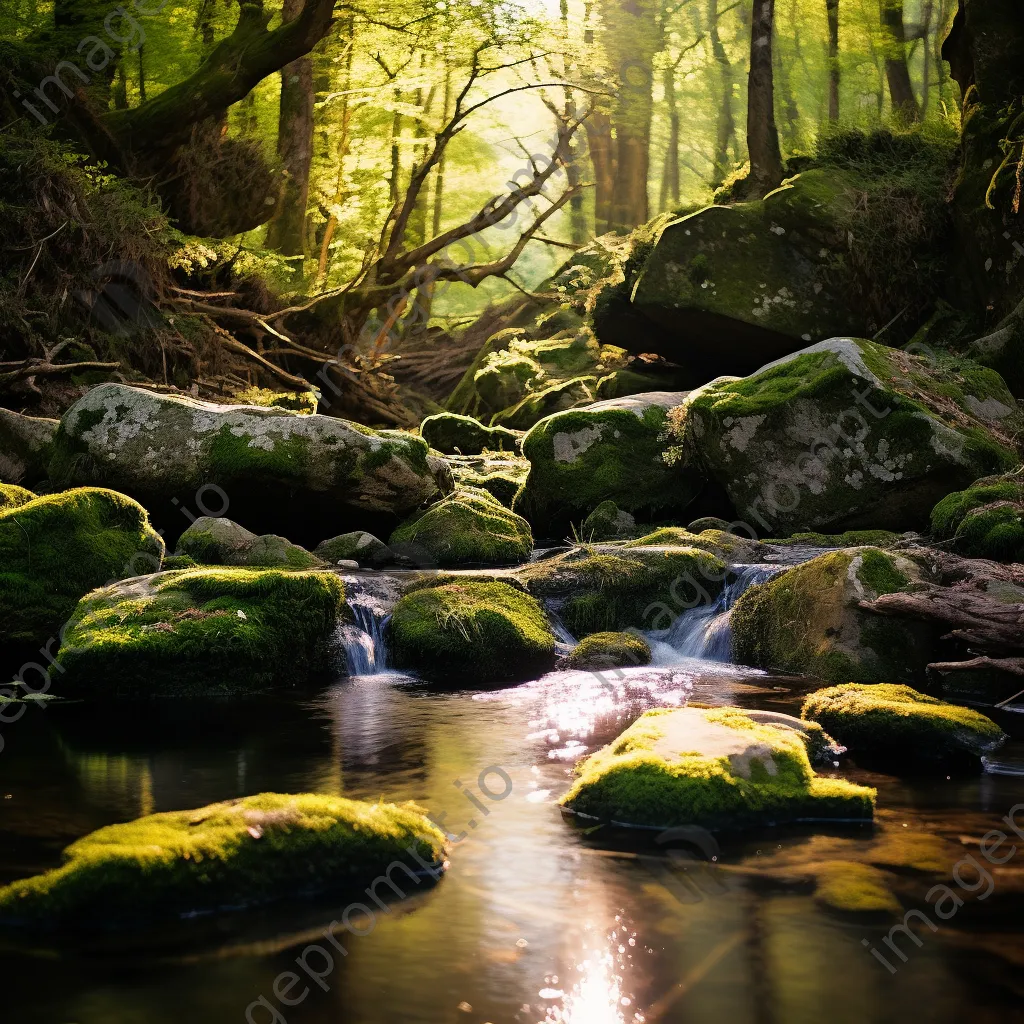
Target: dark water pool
537,920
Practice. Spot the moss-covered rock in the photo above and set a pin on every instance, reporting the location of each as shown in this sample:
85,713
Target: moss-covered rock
608,522
234,854
850,539
848,434
305,402
598,592
727,546
13,496
203,632
984,521
25,443
56,548
501,474
483,632
899,725
468,525
210,541
854,888
1003,351
808,620
717,768
608,451
164,448
609,650
450,433
360,546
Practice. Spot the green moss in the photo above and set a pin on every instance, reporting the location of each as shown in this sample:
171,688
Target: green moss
472,632
610,650
56,548
854,888
664,771
450,433
879,572
466,526
850,539
304,402
984,521
203,631
557,397
608,522
13,496
227,855
606,592
899,724
233,457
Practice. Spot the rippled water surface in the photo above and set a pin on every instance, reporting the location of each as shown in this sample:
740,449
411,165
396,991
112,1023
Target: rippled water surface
538,918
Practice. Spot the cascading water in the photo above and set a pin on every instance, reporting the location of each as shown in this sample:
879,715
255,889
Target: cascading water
704,632
362,640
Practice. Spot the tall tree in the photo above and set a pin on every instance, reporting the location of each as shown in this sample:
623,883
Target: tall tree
901,90
766,171
834,72
725,131
294,147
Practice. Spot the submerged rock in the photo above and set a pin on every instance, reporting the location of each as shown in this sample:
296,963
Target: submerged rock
608,522
450,433
13,496
202,632
848,434
609,650
482,632
466,526
282,472
602,592
56,548
809,620
717,768
360,546
234,854
984,521
210,541
896,724
610,451
25,443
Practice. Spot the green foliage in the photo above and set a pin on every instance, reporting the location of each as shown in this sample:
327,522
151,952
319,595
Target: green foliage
896,723
57,548
480,632
609,650
651,775
203,632
235,854
467,526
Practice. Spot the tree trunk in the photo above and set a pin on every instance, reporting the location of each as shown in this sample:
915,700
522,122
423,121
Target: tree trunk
725,133
577,214
295,148
901,89
602,157
926,55
834,72
766,171
670,171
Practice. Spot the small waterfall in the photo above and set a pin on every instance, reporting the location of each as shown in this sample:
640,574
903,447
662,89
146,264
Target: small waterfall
704,631
362,640
564,640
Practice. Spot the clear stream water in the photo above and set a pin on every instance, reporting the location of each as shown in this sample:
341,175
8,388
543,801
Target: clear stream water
538,919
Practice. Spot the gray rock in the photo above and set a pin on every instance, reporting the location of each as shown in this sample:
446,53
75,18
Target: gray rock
359,547
24,447
219,541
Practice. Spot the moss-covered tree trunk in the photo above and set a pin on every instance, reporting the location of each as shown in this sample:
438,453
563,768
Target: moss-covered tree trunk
901,90
294,147
762,134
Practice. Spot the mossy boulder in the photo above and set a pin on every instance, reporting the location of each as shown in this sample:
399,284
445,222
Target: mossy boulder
602,591
481,632
468,525
13,496
850,539
450,433
219,541
608,522
984,521
897,724
282,472
230,855
1003,351
728,546
609,650
809,620
717,768
56,548
608,451
25,443
848,434
501,474
203,632
359,546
